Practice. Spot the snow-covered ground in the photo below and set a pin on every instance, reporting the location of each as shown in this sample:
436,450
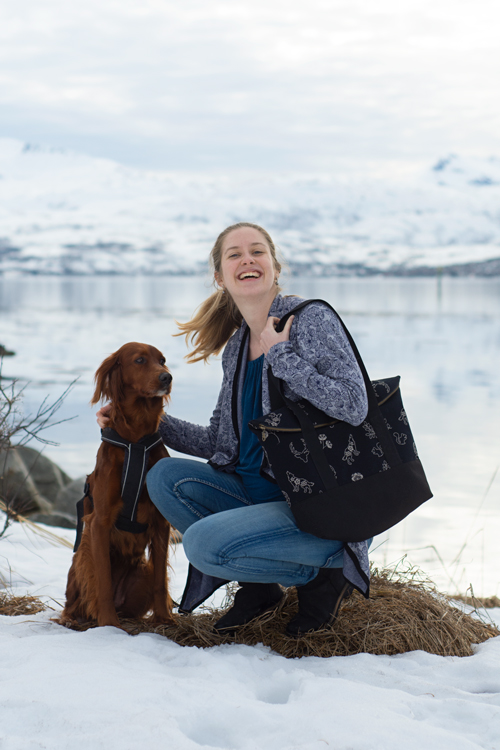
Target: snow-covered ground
104,689
63,212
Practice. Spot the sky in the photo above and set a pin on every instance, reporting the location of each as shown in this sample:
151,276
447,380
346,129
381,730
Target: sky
221,85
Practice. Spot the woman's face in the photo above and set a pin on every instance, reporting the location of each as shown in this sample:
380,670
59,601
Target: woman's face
247,266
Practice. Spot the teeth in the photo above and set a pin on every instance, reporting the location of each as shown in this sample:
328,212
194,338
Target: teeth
249,276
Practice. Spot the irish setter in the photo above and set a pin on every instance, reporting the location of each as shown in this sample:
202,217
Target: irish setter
111,573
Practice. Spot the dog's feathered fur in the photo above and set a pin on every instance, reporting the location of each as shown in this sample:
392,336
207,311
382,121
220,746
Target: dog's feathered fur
111,573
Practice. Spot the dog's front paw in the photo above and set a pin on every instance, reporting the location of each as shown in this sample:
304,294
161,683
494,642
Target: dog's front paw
162,617
104,620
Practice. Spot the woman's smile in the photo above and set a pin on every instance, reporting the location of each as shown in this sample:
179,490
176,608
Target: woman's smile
247,264
249,275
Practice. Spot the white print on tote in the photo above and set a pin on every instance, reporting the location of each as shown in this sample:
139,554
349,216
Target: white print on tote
273,419
266,434
400,438
325,442
370,432
303,455
383,384
350,451
299,484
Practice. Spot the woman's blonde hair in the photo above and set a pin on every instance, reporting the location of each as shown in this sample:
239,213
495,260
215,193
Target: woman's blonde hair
217,317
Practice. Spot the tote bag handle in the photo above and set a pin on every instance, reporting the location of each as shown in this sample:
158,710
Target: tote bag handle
374,415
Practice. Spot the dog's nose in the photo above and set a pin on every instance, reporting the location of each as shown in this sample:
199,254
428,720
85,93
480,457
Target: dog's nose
165,378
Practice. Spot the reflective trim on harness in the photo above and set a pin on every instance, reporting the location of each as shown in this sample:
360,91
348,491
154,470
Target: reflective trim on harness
133,478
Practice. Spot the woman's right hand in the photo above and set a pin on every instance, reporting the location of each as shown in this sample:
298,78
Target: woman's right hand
102,416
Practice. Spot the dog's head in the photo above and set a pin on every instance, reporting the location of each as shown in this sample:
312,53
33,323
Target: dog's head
134,368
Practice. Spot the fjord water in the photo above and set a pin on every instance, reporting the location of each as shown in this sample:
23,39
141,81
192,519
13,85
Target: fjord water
441,335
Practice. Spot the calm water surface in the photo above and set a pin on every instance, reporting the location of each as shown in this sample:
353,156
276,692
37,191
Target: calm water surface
442,337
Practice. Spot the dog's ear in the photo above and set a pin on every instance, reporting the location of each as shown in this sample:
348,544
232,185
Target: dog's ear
108,380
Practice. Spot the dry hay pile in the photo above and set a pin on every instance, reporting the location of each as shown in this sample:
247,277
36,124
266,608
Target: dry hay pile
403,614
19,605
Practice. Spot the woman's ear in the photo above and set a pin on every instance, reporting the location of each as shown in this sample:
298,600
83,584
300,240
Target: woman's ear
108,380
219,280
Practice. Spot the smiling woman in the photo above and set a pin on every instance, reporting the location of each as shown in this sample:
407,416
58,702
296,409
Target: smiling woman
234,519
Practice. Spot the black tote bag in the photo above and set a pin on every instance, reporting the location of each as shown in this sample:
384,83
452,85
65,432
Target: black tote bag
343,482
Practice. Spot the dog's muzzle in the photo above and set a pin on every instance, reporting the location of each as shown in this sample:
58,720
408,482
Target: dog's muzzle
165,379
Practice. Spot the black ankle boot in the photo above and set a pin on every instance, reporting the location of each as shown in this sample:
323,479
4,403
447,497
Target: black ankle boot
251,600
319,601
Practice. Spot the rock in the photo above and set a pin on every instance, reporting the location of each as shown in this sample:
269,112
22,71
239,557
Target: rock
17,488
68,497
54,519
29,481
47,475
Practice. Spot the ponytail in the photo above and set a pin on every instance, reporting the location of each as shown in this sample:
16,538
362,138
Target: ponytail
211,327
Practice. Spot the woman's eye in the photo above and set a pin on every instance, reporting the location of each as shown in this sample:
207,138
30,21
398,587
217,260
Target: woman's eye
140,361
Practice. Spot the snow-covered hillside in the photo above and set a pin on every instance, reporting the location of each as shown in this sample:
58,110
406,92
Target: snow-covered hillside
66,213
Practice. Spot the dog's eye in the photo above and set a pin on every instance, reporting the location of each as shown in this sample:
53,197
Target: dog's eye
162,361
140,361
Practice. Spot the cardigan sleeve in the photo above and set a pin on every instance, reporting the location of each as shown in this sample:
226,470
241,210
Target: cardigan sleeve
190,438
319,365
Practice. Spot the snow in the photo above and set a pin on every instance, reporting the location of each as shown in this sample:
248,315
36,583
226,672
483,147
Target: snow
102,688
66,213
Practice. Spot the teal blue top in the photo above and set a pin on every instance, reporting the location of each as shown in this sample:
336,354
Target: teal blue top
250,457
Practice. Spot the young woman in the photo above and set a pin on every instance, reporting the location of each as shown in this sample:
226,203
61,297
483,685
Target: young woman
235,523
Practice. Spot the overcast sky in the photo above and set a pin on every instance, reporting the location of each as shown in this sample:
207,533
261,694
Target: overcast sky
218,85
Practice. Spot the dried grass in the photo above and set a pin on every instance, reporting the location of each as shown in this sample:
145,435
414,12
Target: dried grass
484,602
19,605
404,613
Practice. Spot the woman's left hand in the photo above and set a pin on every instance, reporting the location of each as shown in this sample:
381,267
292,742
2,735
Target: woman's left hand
269,336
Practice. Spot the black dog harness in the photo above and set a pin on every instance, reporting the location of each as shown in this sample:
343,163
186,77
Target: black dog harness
133,477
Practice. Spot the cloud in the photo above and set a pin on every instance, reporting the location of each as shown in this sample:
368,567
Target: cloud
252,84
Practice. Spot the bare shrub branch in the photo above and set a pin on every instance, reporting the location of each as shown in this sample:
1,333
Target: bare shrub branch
22,428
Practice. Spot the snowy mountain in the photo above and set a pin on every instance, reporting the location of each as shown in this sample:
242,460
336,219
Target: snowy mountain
66,213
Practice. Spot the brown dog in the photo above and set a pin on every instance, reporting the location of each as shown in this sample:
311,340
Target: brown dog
111,572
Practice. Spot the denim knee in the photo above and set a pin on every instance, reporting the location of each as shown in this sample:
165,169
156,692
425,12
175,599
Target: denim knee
156,480
196,542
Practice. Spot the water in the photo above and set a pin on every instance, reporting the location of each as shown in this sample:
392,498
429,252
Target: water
441,336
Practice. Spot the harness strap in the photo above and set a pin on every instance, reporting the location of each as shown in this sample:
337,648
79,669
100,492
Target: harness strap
133,478
133,473
80,513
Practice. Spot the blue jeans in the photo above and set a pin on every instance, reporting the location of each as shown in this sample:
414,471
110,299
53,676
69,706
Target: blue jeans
230,535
